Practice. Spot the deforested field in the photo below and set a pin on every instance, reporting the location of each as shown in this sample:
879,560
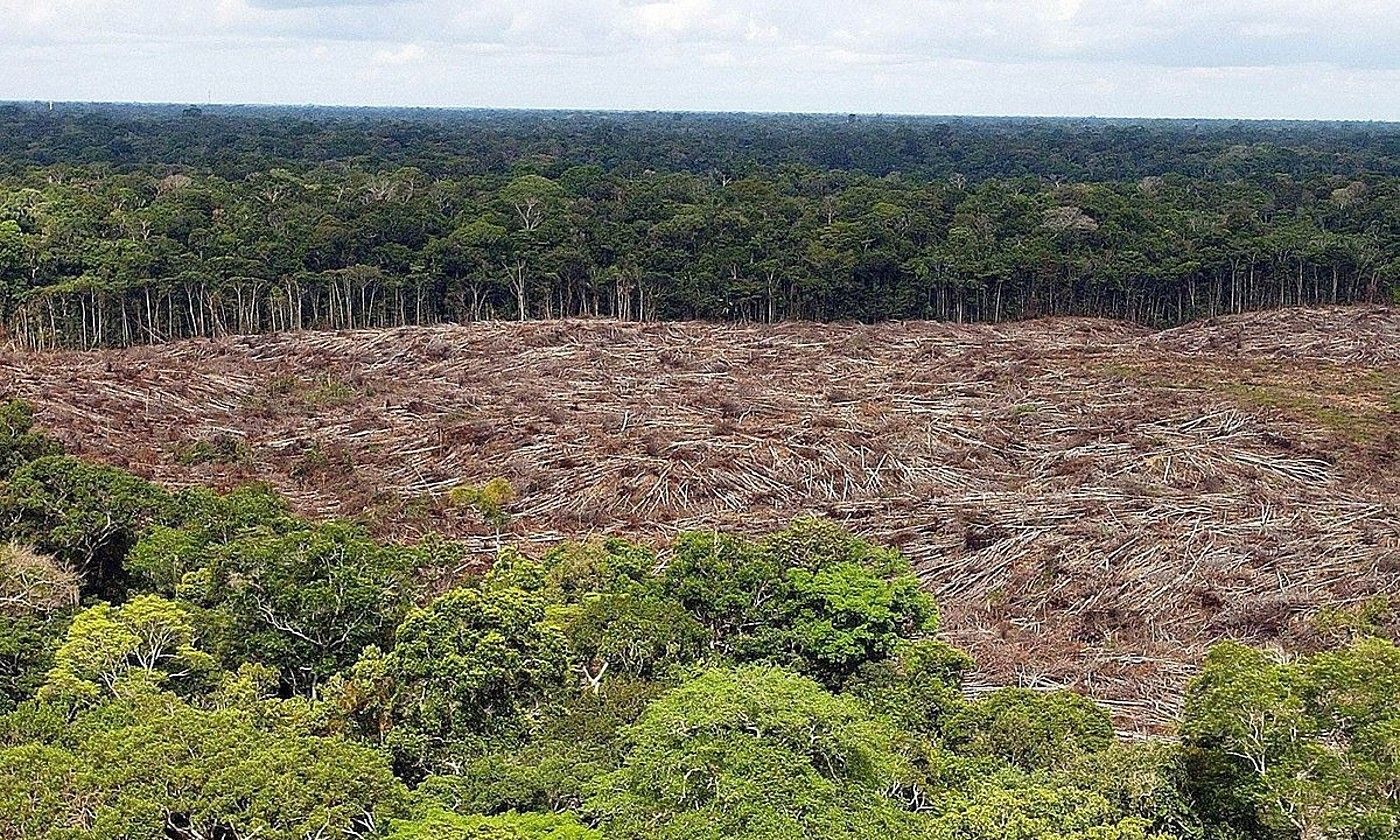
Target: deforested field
1092,502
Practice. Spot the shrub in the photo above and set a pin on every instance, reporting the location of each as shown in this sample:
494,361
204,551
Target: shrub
1031,730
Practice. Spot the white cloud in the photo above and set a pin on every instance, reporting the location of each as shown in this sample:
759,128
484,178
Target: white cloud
406,54
1282,57
702,20
668,17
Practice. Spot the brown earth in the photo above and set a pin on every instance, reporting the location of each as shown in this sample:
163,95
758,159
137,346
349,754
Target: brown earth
1092,502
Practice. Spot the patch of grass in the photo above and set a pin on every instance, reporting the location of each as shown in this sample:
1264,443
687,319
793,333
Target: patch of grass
387,508
1354,407
317,462
1369,618
330,392
1353,425
1143,376
324,391
1114,370
220,448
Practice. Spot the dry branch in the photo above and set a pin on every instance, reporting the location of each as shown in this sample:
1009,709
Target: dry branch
1090,510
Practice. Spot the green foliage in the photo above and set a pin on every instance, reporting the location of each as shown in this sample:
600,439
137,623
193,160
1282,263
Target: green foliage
918,687
438,824
1371,617
754,752
1145,779
85,514
611,606
1306,749
787,687
277,222
572,570
202,521
255,690
20,442
639,633
27,647
152,766
470,667
571,743
110,651
307,600
812,598
1011,808
1028,729
490,500
220,448
1122,792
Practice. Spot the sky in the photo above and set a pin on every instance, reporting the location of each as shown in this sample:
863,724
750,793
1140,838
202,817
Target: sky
1304,59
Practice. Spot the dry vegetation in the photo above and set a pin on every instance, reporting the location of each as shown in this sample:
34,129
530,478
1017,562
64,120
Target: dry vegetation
1092,502
31,582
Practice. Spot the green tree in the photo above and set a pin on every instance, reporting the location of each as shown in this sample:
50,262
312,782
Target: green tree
1306,749
490,500
755,753
812,597
1146,780
467,671
20,442
471,255
152,766
306,601
1031,730
201,522
439,824
919,686
1010,807
611,607
86,515
572,741
148,640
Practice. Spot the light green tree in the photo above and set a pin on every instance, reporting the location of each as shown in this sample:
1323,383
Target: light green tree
110,650
755,752
464,674
440,824
152,766
1308,749
490,499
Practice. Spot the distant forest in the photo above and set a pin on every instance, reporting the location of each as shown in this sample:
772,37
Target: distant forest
128,224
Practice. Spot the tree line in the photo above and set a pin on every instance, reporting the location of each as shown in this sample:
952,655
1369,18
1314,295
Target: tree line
125,224
90,256
193,665
236,141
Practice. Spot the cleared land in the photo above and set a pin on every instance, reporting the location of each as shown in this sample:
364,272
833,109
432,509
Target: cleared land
1092,502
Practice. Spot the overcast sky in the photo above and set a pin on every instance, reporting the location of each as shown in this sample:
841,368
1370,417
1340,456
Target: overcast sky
1214,58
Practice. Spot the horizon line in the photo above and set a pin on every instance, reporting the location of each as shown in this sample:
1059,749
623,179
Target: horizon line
53,103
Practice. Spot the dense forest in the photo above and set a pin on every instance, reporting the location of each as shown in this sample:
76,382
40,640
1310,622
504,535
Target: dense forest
194,665
133,224
236,141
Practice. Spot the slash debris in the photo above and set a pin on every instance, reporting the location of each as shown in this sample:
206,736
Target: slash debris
1093,503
